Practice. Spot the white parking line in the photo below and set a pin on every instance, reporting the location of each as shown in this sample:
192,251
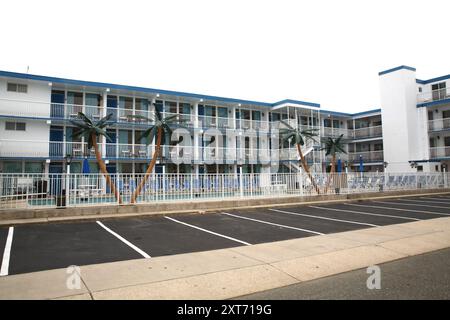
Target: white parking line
411,204
324,218
273,224
7,253
369,214
128,243
424,201
208,231
398,209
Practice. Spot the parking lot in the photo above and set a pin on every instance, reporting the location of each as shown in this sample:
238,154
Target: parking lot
30,248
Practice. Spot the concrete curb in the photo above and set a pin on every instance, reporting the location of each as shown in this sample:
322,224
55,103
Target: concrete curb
18,217
229,273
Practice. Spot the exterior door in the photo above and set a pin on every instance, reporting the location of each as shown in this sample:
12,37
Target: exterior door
57,105
56,141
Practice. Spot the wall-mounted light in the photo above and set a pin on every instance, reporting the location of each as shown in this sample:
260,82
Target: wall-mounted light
50,84
49,122
108,90
201,100
68,158
47,160
106,161
157,95
239,104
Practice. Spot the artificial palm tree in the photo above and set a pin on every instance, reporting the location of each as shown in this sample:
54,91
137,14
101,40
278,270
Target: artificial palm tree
159,127
333,147
299,137
91,131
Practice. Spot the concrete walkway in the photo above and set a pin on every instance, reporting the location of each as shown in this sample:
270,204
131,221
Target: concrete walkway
228,273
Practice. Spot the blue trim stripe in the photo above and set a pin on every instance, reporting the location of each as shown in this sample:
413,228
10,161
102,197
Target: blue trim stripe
309,104
441,78
396,69
335,113
433,103
148,90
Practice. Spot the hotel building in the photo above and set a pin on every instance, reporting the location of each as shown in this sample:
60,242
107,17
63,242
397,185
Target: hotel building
409,132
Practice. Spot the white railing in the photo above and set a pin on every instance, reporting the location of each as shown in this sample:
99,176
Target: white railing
439,124
367,156
433,95
368,132
439,152
38,148
336,132
34,191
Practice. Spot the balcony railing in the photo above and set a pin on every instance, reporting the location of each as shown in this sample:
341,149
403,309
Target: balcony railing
370,156
43,149
440,152
336,132
439,124
369,132
434,95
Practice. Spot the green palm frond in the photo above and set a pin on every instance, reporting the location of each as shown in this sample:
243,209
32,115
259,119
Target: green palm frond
165,124
297,135
88,128
334,146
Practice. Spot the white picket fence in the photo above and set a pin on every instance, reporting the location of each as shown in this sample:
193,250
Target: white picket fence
21,191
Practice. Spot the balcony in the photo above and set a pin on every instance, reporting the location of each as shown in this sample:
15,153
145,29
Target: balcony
336,132
440,152
45,149
128,151
353,134
439,124
367,156
433,95
367,133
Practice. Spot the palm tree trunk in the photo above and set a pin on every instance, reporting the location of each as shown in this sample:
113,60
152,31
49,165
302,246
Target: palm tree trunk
332,171
102,167
306,167
150,167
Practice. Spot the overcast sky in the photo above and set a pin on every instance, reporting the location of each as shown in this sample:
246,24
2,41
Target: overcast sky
329,52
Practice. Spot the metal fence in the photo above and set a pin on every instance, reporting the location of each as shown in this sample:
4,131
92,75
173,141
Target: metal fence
21,191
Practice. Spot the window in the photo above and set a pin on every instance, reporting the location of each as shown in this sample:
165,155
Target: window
432,143
15,126
438,91
20,126
17,87
446,114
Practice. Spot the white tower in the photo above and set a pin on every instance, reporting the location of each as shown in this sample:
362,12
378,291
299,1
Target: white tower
404,125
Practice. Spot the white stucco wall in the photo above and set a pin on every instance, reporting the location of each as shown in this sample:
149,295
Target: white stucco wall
36,102
33,142
400,119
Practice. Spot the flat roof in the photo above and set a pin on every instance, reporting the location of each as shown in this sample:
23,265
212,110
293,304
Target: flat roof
150,90
105,85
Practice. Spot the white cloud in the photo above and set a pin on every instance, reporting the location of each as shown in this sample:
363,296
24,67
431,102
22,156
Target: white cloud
328,52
